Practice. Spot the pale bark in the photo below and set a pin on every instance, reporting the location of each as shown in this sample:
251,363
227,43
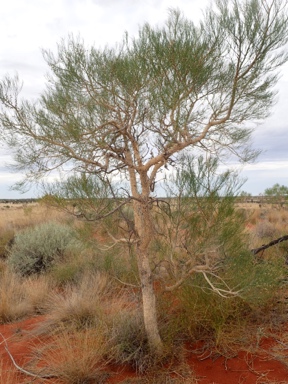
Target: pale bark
149,303
144,231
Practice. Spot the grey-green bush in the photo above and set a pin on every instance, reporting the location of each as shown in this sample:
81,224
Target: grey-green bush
36,249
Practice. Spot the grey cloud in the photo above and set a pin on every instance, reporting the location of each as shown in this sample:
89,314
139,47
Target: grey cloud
273,143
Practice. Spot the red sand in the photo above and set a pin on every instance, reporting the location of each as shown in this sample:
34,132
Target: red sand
245,368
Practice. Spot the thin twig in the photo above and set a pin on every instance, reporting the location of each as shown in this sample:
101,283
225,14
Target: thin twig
124,283
222,292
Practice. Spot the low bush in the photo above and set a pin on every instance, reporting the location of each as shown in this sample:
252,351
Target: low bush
265,229
129,344
36,249
196,311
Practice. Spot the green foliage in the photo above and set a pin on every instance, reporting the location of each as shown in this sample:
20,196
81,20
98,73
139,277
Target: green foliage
245,194
197,311
211,312
204,225
257,280
208,254
277,190
36,249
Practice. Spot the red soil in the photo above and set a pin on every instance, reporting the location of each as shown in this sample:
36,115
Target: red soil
269,364
245,368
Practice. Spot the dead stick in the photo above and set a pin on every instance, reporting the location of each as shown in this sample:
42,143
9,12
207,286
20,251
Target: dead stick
265,246
20,368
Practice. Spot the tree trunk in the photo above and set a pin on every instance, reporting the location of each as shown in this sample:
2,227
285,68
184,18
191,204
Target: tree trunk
143,226
149,303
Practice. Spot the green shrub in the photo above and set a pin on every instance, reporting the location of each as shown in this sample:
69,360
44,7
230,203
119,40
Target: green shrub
66,272
197,312
36,249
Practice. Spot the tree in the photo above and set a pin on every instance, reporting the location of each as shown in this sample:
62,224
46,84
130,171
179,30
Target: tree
277,191
128,111
245,194
277,194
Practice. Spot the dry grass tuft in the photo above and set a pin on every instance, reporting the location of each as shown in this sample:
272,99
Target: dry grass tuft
79,306
38,290
13,300
75,357
21,297
8,375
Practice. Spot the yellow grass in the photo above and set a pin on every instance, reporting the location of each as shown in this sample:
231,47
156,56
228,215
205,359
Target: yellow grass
75,357
14,217
8,375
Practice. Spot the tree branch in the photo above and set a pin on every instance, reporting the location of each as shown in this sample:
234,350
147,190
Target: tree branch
265,246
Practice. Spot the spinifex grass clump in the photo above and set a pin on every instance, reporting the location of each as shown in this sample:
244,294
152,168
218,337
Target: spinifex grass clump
81,305
75,357
36,249
21,296
14,302
6,240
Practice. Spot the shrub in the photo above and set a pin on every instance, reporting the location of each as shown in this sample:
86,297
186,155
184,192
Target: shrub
196,312
265,229
36,249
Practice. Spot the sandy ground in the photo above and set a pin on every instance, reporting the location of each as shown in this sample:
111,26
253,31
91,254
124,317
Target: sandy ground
267,365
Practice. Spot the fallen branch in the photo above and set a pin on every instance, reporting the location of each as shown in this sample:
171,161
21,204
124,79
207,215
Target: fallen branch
20,368
265,246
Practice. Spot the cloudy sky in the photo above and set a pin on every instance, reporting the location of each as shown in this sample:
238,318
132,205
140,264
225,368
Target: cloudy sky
26,26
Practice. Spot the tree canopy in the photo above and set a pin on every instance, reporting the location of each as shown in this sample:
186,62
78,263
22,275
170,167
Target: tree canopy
151,96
